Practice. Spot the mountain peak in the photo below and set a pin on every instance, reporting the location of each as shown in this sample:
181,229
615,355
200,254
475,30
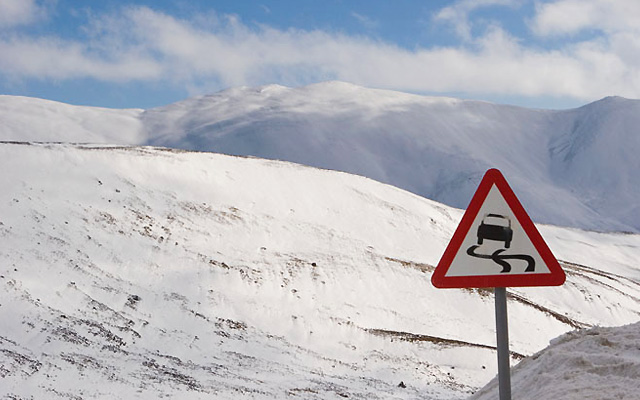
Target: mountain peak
612,102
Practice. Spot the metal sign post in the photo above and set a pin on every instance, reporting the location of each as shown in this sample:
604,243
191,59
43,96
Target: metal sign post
502,334
496,245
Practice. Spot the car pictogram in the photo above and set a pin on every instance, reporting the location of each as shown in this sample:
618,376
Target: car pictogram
495,227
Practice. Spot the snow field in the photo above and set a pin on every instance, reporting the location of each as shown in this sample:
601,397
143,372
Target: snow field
148,272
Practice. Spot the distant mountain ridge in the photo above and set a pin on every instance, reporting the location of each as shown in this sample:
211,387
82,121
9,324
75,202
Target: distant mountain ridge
571,167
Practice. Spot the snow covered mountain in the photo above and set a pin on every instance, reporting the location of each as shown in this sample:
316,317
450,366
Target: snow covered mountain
438,148
138,272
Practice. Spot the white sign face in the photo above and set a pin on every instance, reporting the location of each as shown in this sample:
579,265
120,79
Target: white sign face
496,244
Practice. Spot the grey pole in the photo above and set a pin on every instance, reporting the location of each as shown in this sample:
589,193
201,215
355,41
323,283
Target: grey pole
502,333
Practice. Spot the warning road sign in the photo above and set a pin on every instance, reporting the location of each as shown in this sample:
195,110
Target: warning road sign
496,244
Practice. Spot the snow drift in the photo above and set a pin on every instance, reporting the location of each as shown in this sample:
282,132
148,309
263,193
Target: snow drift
594,364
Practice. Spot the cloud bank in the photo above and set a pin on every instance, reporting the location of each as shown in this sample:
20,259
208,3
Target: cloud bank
14,13
582,49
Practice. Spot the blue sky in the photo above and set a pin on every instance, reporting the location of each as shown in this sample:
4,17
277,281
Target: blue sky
142,54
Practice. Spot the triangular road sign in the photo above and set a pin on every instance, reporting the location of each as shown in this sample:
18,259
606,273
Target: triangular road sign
496,244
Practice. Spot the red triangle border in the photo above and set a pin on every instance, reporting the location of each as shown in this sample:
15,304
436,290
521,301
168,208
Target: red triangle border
555,277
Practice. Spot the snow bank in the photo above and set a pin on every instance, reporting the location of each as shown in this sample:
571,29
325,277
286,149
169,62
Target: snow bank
593,364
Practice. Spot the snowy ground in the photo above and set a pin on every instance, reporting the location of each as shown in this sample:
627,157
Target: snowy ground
150,273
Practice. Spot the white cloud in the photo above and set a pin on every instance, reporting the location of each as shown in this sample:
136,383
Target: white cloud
142,44
266,9
458,14
50,58
365,21
568,17
19,12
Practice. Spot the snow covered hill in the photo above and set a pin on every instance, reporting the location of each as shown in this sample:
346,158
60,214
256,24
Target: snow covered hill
438,148
25,119
138,272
